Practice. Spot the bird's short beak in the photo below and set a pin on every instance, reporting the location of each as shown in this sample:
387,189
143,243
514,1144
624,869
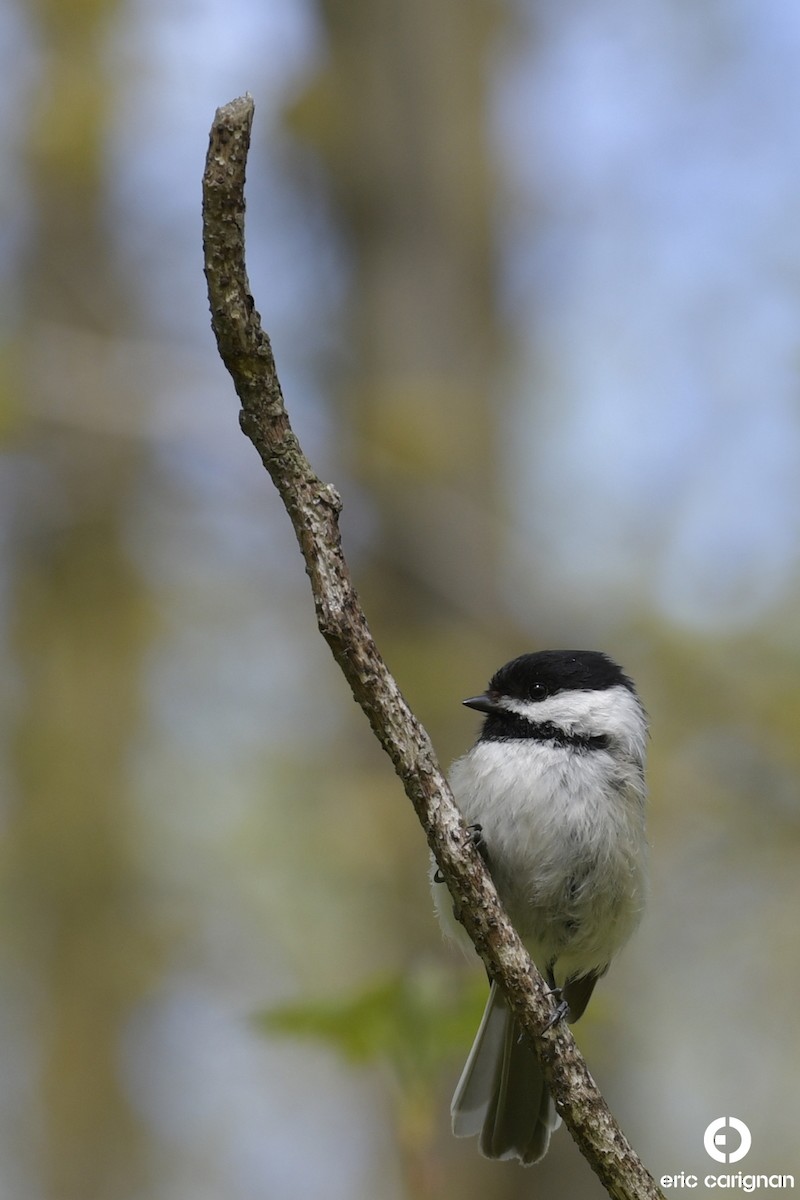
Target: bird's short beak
484,704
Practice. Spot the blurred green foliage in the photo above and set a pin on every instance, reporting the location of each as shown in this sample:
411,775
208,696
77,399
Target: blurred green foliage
413,1022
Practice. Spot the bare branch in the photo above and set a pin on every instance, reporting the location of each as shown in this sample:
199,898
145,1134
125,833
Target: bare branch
314,507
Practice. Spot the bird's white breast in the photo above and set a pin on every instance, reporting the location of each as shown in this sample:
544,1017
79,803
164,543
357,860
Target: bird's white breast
564,831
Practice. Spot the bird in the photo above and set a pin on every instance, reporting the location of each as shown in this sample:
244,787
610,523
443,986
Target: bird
553,793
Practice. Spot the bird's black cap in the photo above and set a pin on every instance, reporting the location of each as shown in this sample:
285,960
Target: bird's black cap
536,676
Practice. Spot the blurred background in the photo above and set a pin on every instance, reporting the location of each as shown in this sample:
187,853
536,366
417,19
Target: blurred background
532,276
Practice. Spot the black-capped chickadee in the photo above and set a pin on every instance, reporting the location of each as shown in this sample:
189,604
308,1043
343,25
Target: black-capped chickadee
554,790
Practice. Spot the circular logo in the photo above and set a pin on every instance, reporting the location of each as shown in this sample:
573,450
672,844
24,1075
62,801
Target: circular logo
717,1143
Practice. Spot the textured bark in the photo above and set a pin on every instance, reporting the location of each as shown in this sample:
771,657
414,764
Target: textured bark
314,507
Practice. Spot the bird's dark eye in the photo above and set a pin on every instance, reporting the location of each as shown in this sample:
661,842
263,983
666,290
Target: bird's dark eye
537,691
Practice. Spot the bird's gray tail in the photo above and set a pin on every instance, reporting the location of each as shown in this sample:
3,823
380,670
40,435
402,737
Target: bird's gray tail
501,1094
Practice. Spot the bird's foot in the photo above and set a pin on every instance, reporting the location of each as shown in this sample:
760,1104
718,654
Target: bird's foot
558,1014
475,835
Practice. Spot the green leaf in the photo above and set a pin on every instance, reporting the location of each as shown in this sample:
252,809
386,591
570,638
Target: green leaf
413,1022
